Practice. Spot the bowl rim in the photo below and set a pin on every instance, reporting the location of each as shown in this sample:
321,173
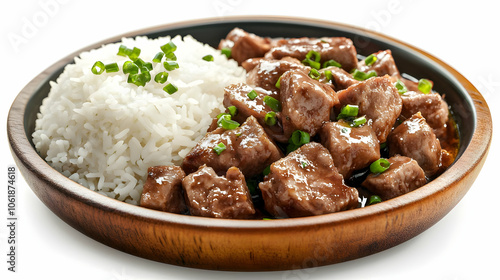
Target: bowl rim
472,156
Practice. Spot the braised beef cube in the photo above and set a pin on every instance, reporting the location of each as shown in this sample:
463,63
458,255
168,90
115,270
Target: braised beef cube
340,49
352,148
432,107
237,95
163,189
209,195
247,147
378,100
384,65
306,103
403,176
414,138
340,78
245,45
306,183
267,72
250,63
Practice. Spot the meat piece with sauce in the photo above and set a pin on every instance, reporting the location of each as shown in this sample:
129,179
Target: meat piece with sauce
414,138
384,65
340,49
352,148
247,147
306,103
245,45
340,78
267,71
403,176
378,100
210,195
163,189
432,107
306,183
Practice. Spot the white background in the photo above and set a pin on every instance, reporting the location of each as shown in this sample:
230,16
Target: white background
464,34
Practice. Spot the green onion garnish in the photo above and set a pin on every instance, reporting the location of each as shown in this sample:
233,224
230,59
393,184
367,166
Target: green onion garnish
379,166
232,110
424,85
358,121
328,75
170,88
270,118
144,66
369,60
400,86
331,62
170,65
98,68
312,63
220,148
278,83
130,68
226,122
134,53
208,57
139,79
226,52
299,138
361,76
252,94
273,103
161,77
348,111
169,47
123,50
314,74
374,199
171,56
158,57
112,67
313,54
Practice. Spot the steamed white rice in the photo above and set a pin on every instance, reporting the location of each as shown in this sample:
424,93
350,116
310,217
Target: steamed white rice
104,133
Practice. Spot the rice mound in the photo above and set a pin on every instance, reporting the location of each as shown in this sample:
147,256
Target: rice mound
104,133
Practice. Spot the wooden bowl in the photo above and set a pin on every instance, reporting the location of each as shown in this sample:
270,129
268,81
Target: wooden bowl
261,244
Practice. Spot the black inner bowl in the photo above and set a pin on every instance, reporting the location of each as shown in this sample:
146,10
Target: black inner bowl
407,61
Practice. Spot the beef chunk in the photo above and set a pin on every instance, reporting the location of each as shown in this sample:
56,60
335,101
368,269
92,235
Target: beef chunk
378,100
267,72
432,107
306,183
339,49
414,138
245,45
237,95
163,189
247,147
209,195
306,103
341,79
404,175
351,148
384,65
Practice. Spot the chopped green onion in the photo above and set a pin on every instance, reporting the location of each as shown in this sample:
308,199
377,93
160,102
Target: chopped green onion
348,111
169,47
358,121
312,63
328,75
400,86
331,62
267,170
315,54
304,164
158,57
361,76
112,67
98,68
270,118
252,94
208,57
170,88
226,122
123,50
144,66
171,56
379,166
232,110
314,74
299,137
219,148
170,65
139,79
161,77
226,52
369,60
374,199
134,54
273,103
425,85
278,83
130,68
